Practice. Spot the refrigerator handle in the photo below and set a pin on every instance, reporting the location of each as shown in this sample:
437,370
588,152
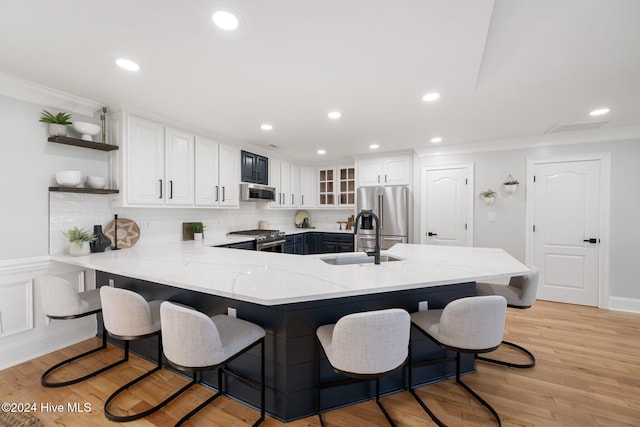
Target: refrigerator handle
380,210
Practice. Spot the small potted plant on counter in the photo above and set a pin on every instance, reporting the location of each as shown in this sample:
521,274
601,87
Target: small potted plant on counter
510,184
57,124
198,230
79,240
489,196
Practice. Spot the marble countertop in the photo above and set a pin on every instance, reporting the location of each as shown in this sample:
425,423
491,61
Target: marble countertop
269,278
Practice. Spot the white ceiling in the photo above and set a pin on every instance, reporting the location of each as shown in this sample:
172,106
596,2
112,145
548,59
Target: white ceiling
506,69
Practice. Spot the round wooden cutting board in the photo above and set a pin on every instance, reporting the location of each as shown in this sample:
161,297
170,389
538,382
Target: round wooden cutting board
128,232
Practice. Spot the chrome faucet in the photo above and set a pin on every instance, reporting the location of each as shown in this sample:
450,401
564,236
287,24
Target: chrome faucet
368,214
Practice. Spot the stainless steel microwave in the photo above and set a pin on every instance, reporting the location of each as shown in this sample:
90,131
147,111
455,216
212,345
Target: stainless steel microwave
257,193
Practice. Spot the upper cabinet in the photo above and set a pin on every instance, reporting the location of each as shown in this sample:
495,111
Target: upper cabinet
337,186
163,166
216,171
384,171
254,168
295,185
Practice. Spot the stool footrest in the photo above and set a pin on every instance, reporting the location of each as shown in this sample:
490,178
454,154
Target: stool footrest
532,358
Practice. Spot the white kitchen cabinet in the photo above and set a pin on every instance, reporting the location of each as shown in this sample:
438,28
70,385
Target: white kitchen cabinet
144,150
296,186
180,166
280,179
217,174
336,186
384,171
309,188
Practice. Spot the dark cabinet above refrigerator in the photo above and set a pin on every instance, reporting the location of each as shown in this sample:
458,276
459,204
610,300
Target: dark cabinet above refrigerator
254,168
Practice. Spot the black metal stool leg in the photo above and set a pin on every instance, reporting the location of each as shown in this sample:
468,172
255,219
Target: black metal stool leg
473,393
532,358
46,383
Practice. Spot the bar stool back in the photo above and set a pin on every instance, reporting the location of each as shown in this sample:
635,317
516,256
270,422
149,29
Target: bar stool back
466,325
520,293
194,342
127,316
61,301
365,346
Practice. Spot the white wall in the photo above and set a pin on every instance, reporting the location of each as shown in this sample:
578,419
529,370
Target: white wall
28,164
508,231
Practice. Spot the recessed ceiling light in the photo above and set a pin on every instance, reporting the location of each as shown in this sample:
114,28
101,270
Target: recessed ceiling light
436,140
430,97
599,112
321,152
127,64
225,20
374,146
266,126
334,115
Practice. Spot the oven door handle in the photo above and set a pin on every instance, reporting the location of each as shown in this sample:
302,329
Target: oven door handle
268,245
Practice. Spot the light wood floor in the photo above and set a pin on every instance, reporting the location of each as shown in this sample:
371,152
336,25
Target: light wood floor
587,374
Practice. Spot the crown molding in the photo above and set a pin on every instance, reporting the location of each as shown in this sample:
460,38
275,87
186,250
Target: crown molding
24,90
622,133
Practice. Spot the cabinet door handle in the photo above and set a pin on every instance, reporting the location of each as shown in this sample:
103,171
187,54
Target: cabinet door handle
224,196
160,181
170,189
292,200
378,179
302,200
385,178
217,193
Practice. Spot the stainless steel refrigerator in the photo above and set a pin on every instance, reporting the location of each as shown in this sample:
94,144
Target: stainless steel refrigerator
391,205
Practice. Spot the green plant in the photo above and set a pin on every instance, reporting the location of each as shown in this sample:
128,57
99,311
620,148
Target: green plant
512,182
60,118
197,227
488,193
79,235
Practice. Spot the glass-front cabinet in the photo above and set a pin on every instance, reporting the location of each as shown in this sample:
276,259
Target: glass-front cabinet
347,190
326,181
337,186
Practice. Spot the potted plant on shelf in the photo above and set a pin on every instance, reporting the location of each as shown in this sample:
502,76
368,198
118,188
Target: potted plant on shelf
489,196
198,230
57,124
79,240
510,184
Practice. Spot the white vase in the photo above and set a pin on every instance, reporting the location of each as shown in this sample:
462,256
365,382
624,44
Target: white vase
197,236
57,130
510,188
79,248
489,200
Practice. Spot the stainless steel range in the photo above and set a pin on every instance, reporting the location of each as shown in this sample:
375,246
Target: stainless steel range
266,240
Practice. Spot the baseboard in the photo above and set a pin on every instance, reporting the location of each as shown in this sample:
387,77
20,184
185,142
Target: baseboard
74,331
632,305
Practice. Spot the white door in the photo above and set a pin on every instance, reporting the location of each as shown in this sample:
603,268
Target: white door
447,206
566,230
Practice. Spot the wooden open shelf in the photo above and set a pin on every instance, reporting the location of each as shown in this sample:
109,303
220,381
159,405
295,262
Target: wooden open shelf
82,143
83,190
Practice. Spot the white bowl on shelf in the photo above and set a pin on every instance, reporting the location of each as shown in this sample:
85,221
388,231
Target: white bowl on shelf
88,130
68,178
97,182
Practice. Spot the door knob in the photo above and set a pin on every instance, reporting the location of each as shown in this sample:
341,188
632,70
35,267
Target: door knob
431,234
591,240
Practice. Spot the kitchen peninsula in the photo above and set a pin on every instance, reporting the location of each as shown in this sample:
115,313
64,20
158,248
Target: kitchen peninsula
291,295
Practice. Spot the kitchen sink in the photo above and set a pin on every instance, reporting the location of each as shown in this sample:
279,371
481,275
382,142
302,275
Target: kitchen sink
357,259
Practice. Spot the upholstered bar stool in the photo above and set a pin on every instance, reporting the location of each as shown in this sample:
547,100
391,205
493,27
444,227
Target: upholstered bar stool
194,342
520,293
364,346
61,301
466,325
127,316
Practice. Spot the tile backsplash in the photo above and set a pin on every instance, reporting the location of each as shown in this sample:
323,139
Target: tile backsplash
158,225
